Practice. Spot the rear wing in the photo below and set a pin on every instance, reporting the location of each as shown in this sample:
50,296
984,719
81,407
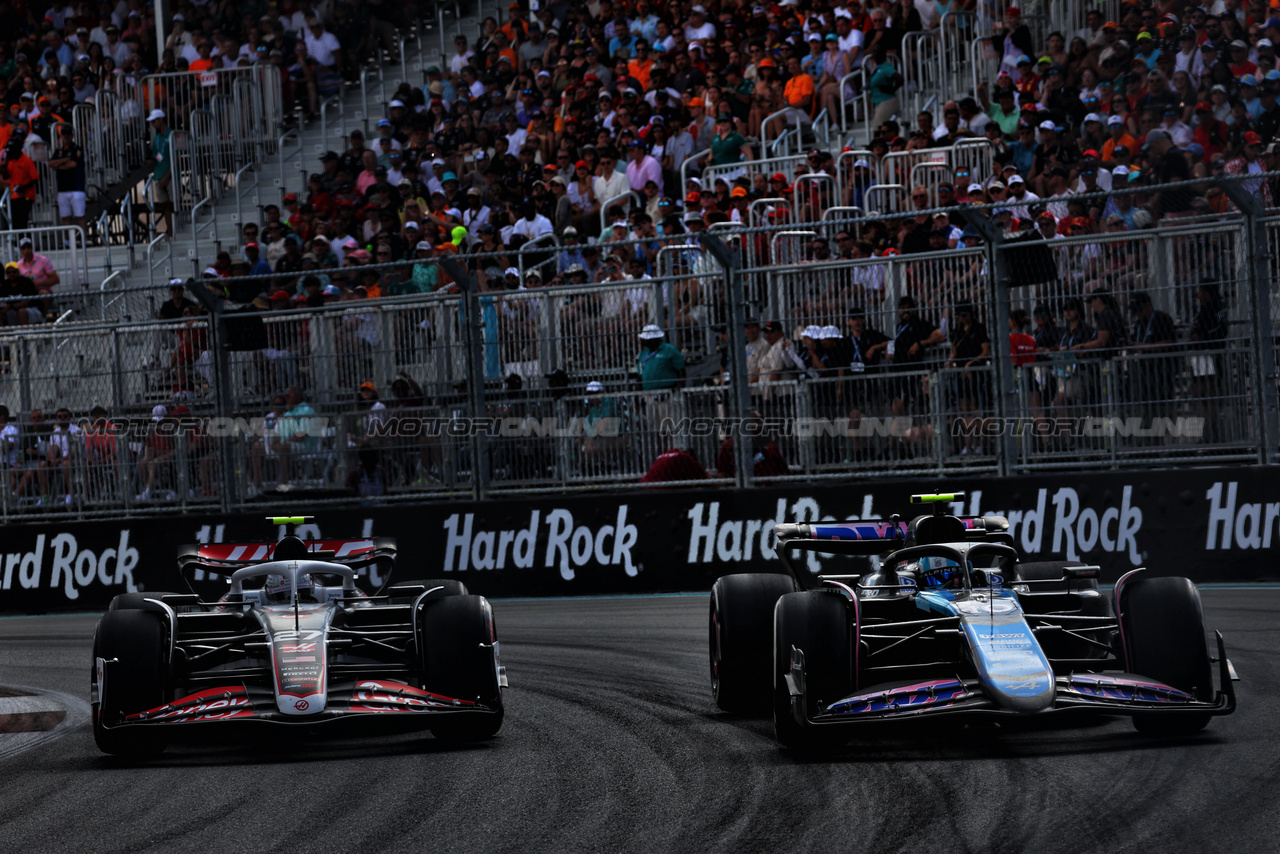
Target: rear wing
868,539
244,554
223,559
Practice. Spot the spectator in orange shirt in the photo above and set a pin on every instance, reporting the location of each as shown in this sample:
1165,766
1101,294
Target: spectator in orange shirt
642,65
204,63
19,174
1118,137
798,93
515,29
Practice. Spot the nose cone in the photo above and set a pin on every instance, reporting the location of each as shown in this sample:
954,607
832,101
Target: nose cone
1012,667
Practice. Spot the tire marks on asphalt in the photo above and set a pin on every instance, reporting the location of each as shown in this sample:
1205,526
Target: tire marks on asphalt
30,717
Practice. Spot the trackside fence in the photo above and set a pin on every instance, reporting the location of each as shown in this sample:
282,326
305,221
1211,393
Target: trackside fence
1150,347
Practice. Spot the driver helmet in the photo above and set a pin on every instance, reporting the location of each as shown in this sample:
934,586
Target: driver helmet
277,591
939,572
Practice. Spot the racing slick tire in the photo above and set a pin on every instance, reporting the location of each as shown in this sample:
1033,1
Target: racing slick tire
450,587
1164,637
135,639
437,587
740,642
136,602
817,623
459,659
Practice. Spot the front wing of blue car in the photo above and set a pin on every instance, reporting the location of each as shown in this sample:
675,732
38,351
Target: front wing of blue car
1100,693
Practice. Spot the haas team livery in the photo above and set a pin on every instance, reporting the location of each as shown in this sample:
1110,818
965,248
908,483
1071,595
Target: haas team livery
294,641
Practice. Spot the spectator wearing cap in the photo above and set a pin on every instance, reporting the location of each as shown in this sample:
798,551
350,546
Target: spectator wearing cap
777,363
1003,109
1239,62
1211,133
112,46
322,45
642,167
1249,96
1249,162
177,304
1121,204
1268,124
702,126
1179,131
1011,38
258,265
475,214
1020,196
426,273
1117,136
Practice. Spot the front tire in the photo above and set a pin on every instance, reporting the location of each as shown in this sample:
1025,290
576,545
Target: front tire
817,623
740,638
1164,638
459,659
133,640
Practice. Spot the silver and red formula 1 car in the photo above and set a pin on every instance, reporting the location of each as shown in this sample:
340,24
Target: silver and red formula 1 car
292,641
951,622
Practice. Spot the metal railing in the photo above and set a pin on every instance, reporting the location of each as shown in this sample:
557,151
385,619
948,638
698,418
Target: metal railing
1189,386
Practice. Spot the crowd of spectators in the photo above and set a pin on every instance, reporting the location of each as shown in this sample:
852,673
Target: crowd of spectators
575,121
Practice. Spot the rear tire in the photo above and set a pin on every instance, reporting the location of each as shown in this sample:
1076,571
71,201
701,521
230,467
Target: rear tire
136,602
459,660
451,587
1164,636
818,624
136,639
740,639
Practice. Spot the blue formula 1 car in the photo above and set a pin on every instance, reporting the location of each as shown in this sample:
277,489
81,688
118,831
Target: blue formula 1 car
952,622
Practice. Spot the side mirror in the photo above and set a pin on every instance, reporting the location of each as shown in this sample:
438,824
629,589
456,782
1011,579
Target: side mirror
1078,573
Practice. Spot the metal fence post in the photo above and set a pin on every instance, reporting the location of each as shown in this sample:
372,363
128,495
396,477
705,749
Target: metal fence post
473,340
1262,339
998,301
222,376
731,261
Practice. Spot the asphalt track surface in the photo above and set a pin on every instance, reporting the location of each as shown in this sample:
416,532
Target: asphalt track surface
612,743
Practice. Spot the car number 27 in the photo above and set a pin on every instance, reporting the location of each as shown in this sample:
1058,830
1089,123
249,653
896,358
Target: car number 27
295,635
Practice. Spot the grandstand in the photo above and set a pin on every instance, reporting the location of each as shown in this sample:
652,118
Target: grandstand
408,223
